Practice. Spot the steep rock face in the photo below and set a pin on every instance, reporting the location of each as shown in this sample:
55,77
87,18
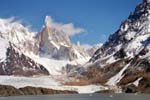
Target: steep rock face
20,47
132,36
51,39
56,44
14,62
125,57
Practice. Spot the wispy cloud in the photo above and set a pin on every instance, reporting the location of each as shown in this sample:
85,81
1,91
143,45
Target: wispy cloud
68,28
88,46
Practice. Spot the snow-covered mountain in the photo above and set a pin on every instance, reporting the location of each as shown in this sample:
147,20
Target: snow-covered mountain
122,62
15,39
14,62
26,55
22,51
19,35
124,59
56,44
131,37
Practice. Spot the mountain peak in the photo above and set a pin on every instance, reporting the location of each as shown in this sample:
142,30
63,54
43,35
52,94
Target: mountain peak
126,53
131,35
48,21
147,1
54,43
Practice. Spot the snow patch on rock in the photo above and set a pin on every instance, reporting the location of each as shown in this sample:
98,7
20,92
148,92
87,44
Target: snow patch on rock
136,83
3,49
115,79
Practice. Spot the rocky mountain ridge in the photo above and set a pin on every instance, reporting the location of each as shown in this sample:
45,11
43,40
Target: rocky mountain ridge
56,44
124,59
19,43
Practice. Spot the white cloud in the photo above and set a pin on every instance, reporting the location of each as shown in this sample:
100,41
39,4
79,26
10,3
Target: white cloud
69,28
88,46
11,19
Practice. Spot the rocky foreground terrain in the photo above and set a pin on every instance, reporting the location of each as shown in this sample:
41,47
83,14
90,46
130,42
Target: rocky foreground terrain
6,90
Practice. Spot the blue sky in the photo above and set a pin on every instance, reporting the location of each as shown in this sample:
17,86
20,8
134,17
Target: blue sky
99,18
